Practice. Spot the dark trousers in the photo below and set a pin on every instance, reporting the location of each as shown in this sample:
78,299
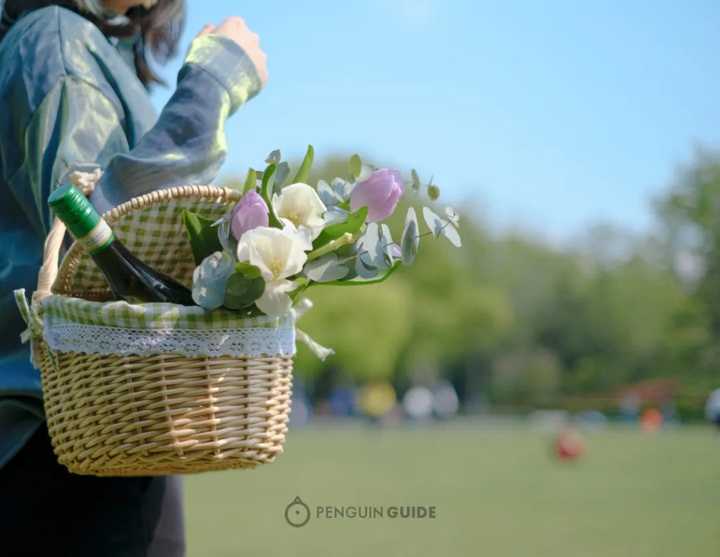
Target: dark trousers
46,510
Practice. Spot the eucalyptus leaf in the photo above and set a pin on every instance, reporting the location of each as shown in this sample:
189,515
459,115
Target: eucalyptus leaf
203,236
410,238
241,292
355,165
303,173
361,282
342,188
365,270
327,194
389,246
335,215
452,216
274,157
370,247
210,279
452,235
415,180
325,269
281,174
434,222
367,170
224,233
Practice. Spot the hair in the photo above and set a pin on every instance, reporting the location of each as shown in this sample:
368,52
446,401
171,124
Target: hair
159,28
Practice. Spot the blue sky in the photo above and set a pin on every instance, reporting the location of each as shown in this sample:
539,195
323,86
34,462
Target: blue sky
548,115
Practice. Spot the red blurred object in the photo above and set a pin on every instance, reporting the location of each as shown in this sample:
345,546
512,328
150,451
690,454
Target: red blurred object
651,420
569,445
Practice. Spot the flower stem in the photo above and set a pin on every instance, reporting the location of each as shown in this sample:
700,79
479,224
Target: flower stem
331,246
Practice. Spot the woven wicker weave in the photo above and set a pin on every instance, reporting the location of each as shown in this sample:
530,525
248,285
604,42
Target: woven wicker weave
160,414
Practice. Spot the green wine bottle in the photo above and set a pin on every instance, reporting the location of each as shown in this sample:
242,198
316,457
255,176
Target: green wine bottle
129,278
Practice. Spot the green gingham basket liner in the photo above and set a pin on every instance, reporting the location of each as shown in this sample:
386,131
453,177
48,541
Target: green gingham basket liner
77,325
156,235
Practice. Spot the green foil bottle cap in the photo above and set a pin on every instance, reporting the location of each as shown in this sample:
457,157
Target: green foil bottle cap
73,208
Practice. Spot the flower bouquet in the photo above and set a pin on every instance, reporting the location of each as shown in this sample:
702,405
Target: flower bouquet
146,388
284,236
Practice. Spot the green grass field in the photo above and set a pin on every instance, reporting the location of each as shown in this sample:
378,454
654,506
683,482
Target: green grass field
497,492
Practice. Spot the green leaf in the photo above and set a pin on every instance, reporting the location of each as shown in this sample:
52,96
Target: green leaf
247,270
356,282
302,284
355,166
250,181
242,292
266,191
303,174
266,188
352,224
202,234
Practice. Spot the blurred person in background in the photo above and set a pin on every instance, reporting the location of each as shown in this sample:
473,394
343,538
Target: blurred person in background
418,403
342,400
651,420
712,408
445,400
376,400
568,445
74,80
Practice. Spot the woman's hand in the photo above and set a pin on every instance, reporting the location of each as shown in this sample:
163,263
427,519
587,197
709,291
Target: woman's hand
236,29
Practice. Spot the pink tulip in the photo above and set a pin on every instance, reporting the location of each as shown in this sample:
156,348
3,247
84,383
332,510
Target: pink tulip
250,212
380,193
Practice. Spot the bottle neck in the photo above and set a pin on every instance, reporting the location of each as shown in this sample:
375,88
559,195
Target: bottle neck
98,239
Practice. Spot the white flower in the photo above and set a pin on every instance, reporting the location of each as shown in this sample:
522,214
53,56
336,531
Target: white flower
300,205
278,254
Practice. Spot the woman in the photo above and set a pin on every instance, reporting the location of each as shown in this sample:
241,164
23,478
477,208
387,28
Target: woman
73,96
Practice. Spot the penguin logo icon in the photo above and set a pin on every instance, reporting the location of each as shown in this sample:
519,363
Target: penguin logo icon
297,513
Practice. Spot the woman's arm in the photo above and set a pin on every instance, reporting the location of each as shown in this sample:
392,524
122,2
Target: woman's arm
76,126
187,145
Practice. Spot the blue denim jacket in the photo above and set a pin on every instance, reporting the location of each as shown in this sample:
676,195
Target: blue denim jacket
70,100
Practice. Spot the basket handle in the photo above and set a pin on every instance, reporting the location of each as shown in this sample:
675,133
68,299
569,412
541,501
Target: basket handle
85,181
51,256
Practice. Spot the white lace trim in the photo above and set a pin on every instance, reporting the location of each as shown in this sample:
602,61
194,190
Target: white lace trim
100,339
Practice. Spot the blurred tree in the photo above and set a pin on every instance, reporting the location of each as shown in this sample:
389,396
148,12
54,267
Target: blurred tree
691,215
367,326
513,319
528,377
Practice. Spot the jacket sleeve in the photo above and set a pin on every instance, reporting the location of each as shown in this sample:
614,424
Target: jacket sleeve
74,125
77,127
187,145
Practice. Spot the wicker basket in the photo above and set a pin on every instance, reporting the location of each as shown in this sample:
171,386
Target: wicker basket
165,413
